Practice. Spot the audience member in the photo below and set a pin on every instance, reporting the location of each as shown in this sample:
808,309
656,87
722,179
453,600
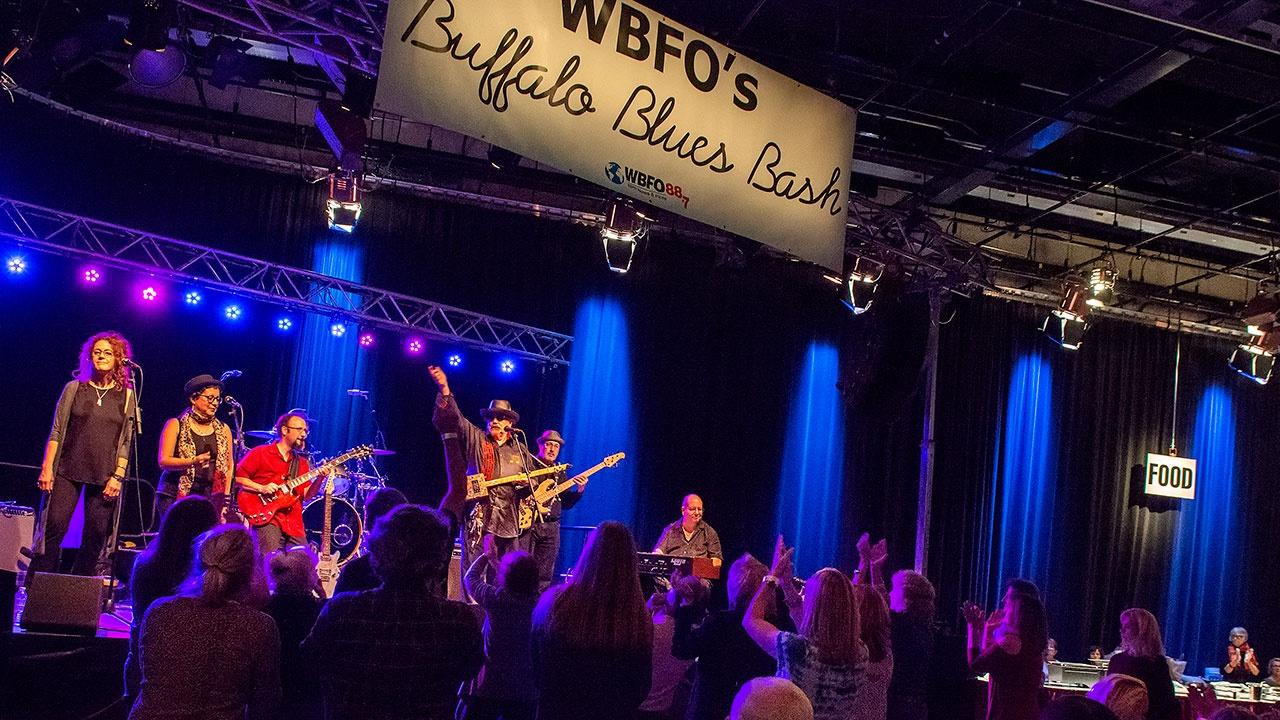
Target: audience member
726,656
1242,660
1009,648
826,658
205,654
397,651
162,567
911,605
504,686
668,670
771,698
1095,653
1076,707
1050,654
592,638
1231,712
358,574
1273,673
1142,656
1124,695
294,605
873,694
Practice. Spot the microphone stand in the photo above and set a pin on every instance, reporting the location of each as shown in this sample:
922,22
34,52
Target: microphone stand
238,451
108,556
529,481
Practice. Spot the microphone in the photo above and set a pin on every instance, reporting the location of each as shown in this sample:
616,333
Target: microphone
229,374
228,400
128,362
357,392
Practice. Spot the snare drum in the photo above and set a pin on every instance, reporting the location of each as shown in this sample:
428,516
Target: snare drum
346,526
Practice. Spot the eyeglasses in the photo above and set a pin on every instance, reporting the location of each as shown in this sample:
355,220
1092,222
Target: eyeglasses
295,429
103,353
211,399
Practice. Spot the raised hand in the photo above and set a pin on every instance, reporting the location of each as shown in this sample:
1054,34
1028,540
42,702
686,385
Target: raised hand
864,546
442,381
782,565
973,614
879,553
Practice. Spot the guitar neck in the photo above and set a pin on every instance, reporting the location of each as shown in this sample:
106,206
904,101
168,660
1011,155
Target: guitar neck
524,476
561,487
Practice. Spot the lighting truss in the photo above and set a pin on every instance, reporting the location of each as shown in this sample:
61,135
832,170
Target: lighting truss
62,233
929,256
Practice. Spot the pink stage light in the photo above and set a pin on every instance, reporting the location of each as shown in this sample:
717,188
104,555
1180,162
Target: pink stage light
366,340
415,346
92,276
149,294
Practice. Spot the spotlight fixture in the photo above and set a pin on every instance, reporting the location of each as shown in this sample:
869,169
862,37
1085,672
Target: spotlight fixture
343,207
624,227
149,23
233,312
860,285
1102,286
284,324
92,276
414,346
1262,311
16,265
149,293
507,366
455,360
502,158
1066,325
367,339
192,297
1255,358
337,328
157,69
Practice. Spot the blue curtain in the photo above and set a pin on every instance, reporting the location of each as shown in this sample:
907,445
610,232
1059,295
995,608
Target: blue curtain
597,413
1026,476
1203,581
326,366
811,487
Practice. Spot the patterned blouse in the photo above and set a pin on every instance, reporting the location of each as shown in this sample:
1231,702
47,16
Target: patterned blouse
831,688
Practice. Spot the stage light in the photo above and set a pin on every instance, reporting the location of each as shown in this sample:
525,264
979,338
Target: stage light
1102,286
149,293
367,340
1065,331
337,328
233,312
455,360
149,23
284,324
157,69
414,346
1262,311
507,366
624,227
1256,357
91,276
343,208
16,265
502,158
860,285
192,298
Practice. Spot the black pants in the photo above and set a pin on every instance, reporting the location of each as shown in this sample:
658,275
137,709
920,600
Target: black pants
57,507
544,545
272,537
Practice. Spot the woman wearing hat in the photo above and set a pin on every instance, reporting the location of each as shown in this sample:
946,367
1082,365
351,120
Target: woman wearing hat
195,448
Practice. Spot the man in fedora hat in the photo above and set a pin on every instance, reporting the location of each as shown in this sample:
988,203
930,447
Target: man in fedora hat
493,452
543,539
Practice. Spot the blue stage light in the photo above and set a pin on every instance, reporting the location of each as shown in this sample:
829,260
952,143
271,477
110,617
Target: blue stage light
193,298
507,366
16,265
337,329
284,324
233,312
455,360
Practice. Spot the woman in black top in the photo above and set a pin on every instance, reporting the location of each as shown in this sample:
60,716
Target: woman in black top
195,448
1142,656
87,453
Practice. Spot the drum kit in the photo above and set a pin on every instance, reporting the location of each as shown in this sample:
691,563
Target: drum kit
352,488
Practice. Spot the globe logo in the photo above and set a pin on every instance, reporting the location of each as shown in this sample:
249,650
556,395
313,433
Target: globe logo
614,171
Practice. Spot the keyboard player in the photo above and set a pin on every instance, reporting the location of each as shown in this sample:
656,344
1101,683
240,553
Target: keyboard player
690,536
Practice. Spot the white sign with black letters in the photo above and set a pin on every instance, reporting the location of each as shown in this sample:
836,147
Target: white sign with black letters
619,95
1171,476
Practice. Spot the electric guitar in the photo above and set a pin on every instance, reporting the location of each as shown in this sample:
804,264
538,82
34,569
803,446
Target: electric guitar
327,565
539,503
478,487
260,508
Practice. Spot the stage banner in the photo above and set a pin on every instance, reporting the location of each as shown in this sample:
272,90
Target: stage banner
1171,476
621,96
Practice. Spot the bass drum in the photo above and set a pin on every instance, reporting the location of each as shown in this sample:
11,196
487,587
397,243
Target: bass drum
345,523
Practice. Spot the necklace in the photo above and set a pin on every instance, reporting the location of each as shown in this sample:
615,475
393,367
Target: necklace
101,392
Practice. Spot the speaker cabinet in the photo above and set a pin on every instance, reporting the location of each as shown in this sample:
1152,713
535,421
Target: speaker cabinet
69,604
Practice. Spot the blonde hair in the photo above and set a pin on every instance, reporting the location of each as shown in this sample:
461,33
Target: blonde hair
1124,695
873,614
830,620
771,698
1142,639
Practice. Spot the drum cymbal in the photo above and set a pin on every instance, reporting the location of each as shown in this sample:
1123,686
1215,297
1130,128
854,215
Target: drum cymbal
379,451
261,434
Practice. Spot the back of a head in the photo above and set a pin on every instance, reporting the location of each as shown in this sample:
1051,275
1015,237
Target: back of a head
873,618
1027,616
1124,695
226,565
1022,586
918,595
1140,633
518,574
1076,707
771,698
187,519
409,546
745,575
830,620
602,606
1231,712
293,570
380,503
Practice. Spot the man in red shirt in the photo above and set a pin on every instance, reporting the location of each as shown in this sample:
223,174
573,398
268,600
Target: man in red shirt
266,468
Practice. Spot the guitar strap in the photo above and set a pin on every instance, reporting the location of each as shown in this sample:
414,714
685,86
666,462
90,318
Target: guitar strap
293,468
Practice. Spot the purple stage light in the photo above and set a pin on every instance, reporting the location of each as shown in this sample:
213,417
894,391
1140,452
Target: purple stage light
415,346
92,276
149,293
366,340
16,265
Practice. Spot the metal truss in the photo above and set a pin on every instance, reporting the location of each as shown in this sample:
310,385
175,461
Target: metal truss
62,233
931,257
344,31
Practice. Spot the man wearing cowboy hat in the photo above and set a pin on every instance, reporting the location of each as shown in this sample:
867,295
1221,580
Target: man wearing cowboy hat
493,452
543,539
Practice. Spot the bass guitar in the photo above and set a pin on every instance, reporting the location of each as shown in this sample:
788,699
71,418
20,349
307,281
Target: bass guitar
478,487
327,564
539,503
260,508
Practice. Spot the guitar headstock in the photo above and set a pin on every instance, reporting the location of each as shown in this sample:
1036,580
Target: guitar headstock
614,459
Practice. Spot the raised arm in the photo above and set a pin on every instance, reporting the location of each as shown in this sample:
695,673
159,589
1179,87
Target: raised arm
760,630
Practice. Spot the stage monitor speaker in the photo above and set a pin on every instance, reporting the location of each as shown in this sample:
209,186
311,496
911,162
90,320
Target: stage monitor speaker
69,604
